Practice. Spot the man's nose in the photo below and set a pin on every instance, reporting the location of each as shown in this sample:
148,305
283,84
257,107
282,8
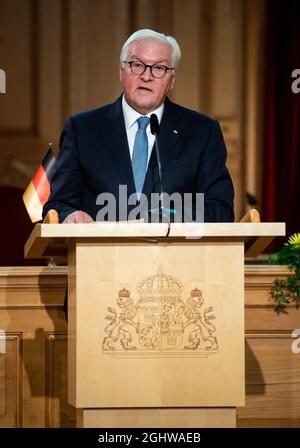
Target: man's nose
147,75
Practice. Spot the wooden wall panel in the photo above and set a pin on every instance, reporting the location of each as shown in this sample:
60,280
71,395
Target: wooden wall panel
272,377
272,369
262,318
30,112
225,58
275,358
59,413
253,100
145,14
52,96
187,30
30,308
225,85
17,40
94,51
10,382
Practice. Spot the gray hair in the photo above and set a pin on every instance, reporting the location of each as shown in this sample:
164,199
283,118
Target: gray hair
147,34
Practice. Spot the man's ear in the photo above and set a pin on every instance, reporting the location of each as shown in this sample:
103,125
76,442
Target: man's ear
172,82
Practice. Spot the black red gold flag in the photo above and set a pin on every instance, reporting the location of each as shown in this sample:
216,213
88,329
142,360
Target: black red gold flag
38,190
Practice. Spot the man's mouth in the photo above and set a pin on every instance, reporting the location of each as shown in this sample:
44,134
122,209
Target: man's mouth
144,89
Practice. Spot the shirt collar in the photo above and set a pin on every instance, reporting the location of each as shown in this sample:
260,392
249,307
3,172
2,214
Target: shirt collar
131,115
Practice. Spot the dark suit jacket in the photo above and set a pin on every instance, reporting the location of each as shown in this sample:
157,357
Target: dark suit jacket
94,158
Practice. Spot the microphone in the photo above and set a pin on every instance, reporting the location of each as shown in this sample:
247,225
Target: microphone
154,124
164,214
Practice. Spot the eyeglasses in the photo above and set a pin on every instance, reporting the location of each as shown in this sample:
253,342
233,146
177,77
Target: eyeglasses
157,70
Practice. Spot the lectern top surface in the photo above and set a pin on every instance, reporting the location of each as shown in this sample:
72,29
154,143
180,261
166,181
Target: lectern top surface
52,239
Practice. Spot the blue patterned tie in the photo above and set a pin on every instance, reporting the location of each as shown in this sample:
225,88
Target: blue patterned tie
140,155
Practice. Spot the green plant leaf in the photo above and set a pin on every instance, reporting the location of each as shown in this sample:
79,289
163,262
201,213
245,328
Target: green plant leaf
287,291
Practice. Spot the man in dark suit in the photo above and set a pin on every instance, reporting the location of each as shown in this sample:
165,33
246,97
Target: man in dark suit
111,146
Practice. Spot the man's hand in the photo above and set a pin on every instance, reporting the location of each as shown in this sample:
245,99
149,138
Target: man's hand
78,217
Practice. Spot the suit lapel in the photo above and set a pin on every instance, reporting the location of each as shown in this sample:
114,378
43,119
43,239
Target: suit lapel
117,145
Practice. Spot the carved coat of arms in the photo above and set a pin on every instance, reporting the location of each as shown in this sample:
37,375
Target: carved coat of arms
160,320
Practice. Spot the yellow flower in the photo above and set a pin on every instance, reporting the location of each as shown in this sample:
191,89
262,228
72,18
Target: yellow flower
294,240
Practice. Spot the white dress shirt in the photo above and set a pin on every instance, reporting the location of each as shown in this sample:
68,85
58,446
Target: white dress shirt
130,118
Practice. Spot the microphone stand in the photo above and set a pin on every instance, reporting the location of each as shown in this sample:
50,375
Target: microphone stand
161,195
163,215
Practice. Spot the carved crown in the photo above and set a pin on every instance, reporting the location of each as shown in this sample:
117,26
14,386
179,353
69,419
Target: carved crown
160,285
196,292
124,293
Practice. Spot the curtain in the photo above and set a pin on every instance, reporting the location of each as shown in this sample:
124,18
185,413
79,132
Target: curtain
281,140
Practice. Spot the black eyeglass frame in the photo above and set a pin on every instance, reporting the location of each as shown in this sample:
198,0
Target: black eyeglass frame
150,66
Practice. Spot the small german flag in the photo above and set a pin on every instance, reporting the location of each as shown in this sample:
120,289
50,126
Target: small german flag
38,191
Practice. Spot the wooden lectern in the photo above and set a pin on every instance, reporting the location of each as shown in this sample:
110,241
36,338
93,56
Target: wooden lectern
156,319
